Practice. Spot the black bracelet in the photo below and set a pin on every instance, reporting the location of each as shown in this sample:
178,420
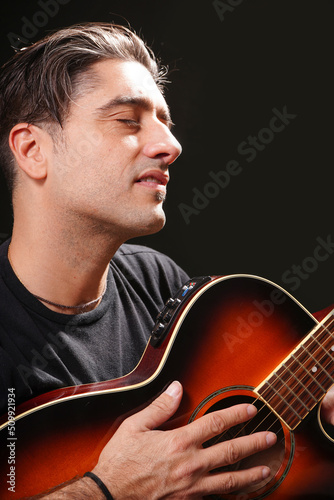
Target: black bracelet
100,484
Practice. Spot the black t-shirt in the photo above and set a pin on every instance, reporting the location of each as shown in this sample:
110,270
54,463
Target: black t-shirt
42,350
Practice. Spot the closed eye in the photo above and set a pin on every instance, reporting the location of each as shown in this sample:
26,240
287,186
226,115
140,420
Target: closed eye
130,123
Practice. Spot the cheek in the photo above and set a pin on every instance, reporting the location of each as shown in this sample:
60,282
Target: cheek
98,166
86,144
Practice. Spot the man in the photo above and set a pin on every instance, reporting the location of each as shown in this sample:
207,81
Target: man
86,149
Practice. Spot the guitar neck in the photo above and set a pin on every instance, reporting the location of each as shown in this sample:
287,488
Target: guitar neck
299,383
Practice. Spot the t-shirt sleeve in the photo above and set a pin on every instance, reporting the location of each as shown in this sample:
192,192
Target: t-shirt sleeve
150,269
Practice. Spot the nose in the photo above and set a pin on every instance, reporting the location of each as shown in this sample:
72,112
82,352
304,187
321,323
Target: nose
162,145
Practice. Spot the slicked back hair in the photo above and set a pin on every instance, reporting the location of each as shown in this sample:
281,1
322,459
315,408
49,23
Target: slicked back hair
39,82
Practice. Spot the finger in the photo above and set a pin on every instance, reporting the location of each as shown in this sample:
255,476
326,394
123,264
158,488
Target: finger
160,410
226,482
215,423
232,451
327,407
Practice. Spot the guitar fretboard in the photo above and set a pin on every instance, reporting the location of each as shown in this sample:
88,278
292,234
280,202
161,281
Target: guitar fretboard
304,377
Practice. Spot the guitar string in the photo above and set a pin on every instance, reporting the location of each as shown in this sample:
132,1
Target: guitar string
321,328
299,383
313,340
243,429
248,424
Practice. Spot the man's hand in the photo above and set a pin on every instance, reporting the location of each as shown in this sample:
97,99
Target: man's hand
142,462
327,407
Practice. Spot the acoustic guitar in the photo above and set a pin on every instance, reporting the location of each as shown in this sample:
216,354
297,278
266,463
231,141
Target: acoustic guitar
228,340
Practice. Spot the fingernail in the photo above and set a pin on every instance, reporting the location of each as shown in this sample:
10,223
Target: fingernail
265,472
251,410
173,389
271,438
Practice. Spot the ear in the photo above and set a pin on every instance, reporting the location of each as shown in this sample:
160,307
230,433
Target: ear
30,145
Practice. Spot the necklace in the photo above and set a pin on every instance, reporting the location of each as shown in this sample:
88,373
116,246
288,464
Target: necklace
80,307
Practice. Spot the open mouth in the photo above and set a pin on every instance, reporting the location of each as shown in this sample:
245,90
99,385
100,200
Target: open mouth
150,179
154,179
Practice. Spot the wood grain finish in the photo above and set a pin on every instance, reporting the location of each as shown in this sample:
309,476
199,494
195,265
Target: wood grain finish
224,343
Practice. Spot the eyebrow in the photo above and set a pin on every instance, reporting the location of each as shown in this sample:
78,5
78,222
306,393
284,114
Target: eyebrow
163,113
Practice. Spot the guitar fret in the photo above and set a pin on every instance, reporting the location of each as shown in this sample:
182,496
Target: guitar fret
289,399
294,389
306,364
311,363
313,390
291,396
326,354
303,378
301,391
321,374
280,405
325,342
329,322
294,403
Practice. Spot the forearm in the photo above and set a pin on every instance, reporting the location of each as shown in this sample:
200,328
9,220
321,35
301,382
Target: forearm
76,489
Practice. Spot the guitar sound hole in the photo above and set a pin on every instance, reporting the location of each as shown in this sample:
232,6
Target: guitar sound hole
265,420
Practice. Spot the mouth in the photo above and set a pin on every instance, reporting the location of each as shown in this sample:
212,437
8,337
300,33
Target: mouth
154,179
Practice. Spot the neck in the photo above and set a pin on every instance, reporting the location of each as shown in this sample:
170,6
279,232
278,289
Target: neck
63,269
304,377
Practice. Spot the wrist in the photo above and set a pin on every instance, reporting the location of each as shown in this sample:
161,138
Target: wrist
100,485
78,488
92,489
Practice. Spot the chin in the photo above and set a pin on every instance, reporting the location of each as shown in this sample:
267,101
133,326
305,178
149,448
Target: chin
154,226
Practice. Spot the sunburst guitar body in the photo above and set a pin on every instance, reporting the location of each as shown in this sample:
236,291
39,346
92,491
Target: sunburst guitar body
228,340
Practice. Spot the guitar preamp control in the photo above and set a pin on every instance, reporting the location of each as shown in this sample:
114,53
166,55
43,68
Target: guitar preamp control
172,307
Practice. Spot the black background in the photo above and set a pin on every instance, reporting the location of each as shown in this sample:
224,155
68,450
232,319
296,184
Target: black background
229,69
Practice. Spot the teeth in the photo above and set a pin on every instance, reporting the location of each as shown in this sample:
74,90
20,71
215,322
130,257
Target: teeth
150,179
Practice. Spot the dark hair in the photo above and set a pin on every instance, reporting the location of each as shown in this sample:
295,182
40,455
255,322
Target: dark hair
38,83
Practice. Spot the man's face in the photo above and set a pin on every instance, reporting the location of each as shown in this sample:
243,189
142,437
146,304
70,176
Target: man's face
111,168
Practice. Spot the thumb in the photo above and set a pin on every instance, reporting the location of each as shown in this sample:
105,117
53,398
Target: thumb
161,409
327,407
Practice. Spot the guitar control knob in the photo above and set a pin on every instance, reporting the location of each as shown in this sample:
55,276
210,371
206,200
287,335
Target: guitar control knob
167,316
158,330
159,316
172,303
